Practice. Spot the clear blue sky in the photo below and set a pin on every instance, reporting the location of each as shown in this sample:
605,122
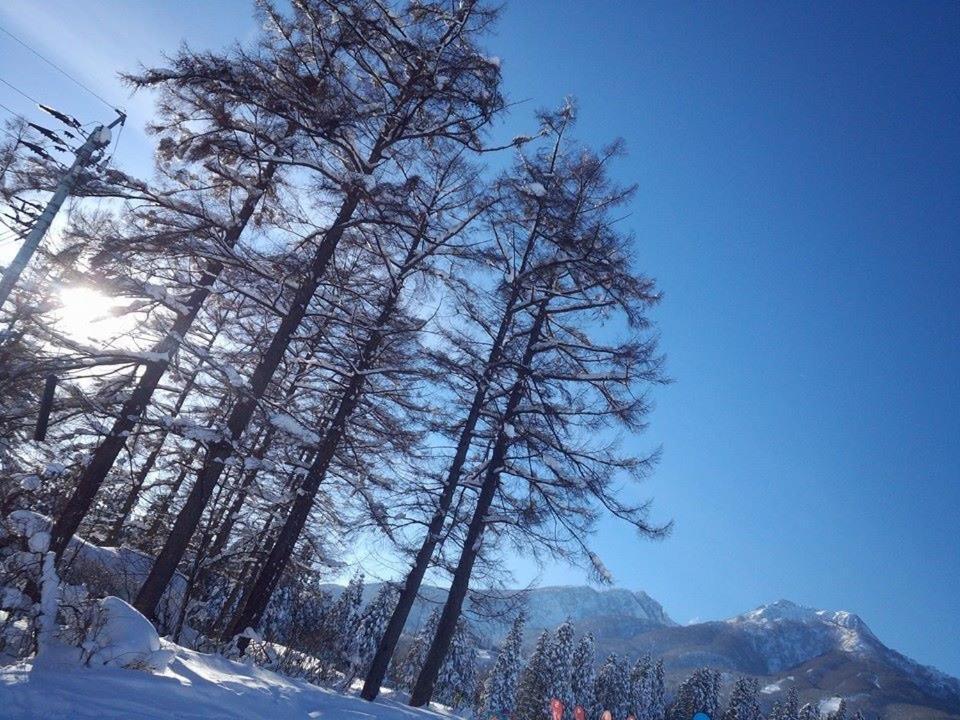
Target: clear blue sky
798,202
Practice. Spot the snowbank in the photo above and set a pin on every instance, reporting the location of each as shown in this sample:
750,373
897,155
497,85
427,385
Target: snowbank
104,571
122,637
193,686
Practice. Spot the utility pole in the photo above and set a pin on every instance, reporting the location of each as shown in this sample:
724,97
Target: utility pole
98,139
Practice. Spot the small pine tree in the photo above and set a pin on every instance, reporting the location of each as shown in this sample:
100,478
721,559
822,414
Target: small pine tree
698,693
809,712
372,624
457,679
410,667
500,688
744,701
532,688
560,667
640,676
613,687
658,694
583,677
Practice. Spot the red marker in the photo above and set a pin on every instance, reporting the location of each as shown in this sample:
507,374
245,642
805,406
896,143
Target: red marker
556,709
579,713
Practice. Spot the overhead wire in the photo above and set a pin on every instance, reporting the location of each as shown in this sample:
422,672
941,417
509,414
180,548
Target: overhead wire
59,69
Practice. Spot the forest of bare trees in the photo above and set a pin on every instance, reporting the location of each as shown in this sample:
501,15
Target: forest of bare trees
345,314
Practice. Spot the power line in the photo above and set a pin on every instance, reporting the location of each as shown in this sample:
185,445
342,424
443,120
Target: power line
19,91
58,68
14,113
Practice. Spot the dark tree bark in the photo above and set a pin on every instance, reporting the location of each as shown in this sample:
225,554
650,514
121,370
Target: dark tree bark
282,550
421,563
218,452
423,689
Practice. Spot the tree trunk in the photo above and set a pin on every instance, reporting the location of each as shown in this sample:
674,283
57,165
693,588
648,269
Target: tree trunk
236,503
423,689
217,454
132,410
269,575
114,536
421,563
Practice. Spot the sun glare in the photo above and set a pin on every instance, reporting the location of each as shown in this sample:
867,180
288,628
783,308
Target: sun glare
86,314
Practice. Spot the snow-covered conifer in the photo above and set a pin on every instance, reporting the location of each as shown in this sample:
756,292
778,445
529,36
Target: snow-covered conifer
500,687
456,684
698,693
583,676
370,629
744,701
560,667
532,701
640,677
613,687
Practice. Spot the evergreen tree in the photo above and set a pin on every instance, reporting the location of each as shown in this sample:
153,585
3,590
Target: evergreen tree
410,667
658,694
498,697
787,709
369,631
744,701
640,677
532,702
340,625
613,688
457,681
809,712
560,667
698,693
583,676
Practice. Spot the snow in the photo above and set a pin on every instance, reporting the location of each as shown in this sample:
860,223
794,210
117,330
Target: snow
39,542
122,637
49,599
287,424
829,705
776,686
105,570
536,189
233,377
193,686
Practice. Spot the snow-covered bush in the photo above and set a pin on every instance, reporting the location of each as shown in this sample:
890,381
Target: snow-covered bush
122,637
28,585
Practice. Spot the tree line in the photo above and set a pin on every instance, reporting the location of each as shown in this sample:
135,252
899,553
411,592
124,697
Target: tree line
343,315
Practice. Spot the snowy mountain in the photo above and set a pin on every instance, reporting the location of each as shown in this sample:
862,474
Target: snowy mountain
824,654
821,653
624,611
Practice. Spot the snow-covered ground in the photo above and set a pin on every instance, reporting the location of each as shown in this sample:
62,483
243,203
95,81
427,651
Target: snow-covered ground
193,685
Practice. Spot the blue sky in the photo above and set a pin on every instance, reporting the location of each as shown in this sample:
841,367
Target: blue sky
798,203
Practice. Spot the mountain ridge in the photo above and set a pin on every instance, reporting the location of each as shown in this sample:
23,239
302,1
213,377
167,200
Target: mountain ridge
821,653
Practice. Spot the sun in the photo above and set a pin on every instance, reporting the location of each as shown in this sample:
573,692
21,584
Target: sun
87,314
